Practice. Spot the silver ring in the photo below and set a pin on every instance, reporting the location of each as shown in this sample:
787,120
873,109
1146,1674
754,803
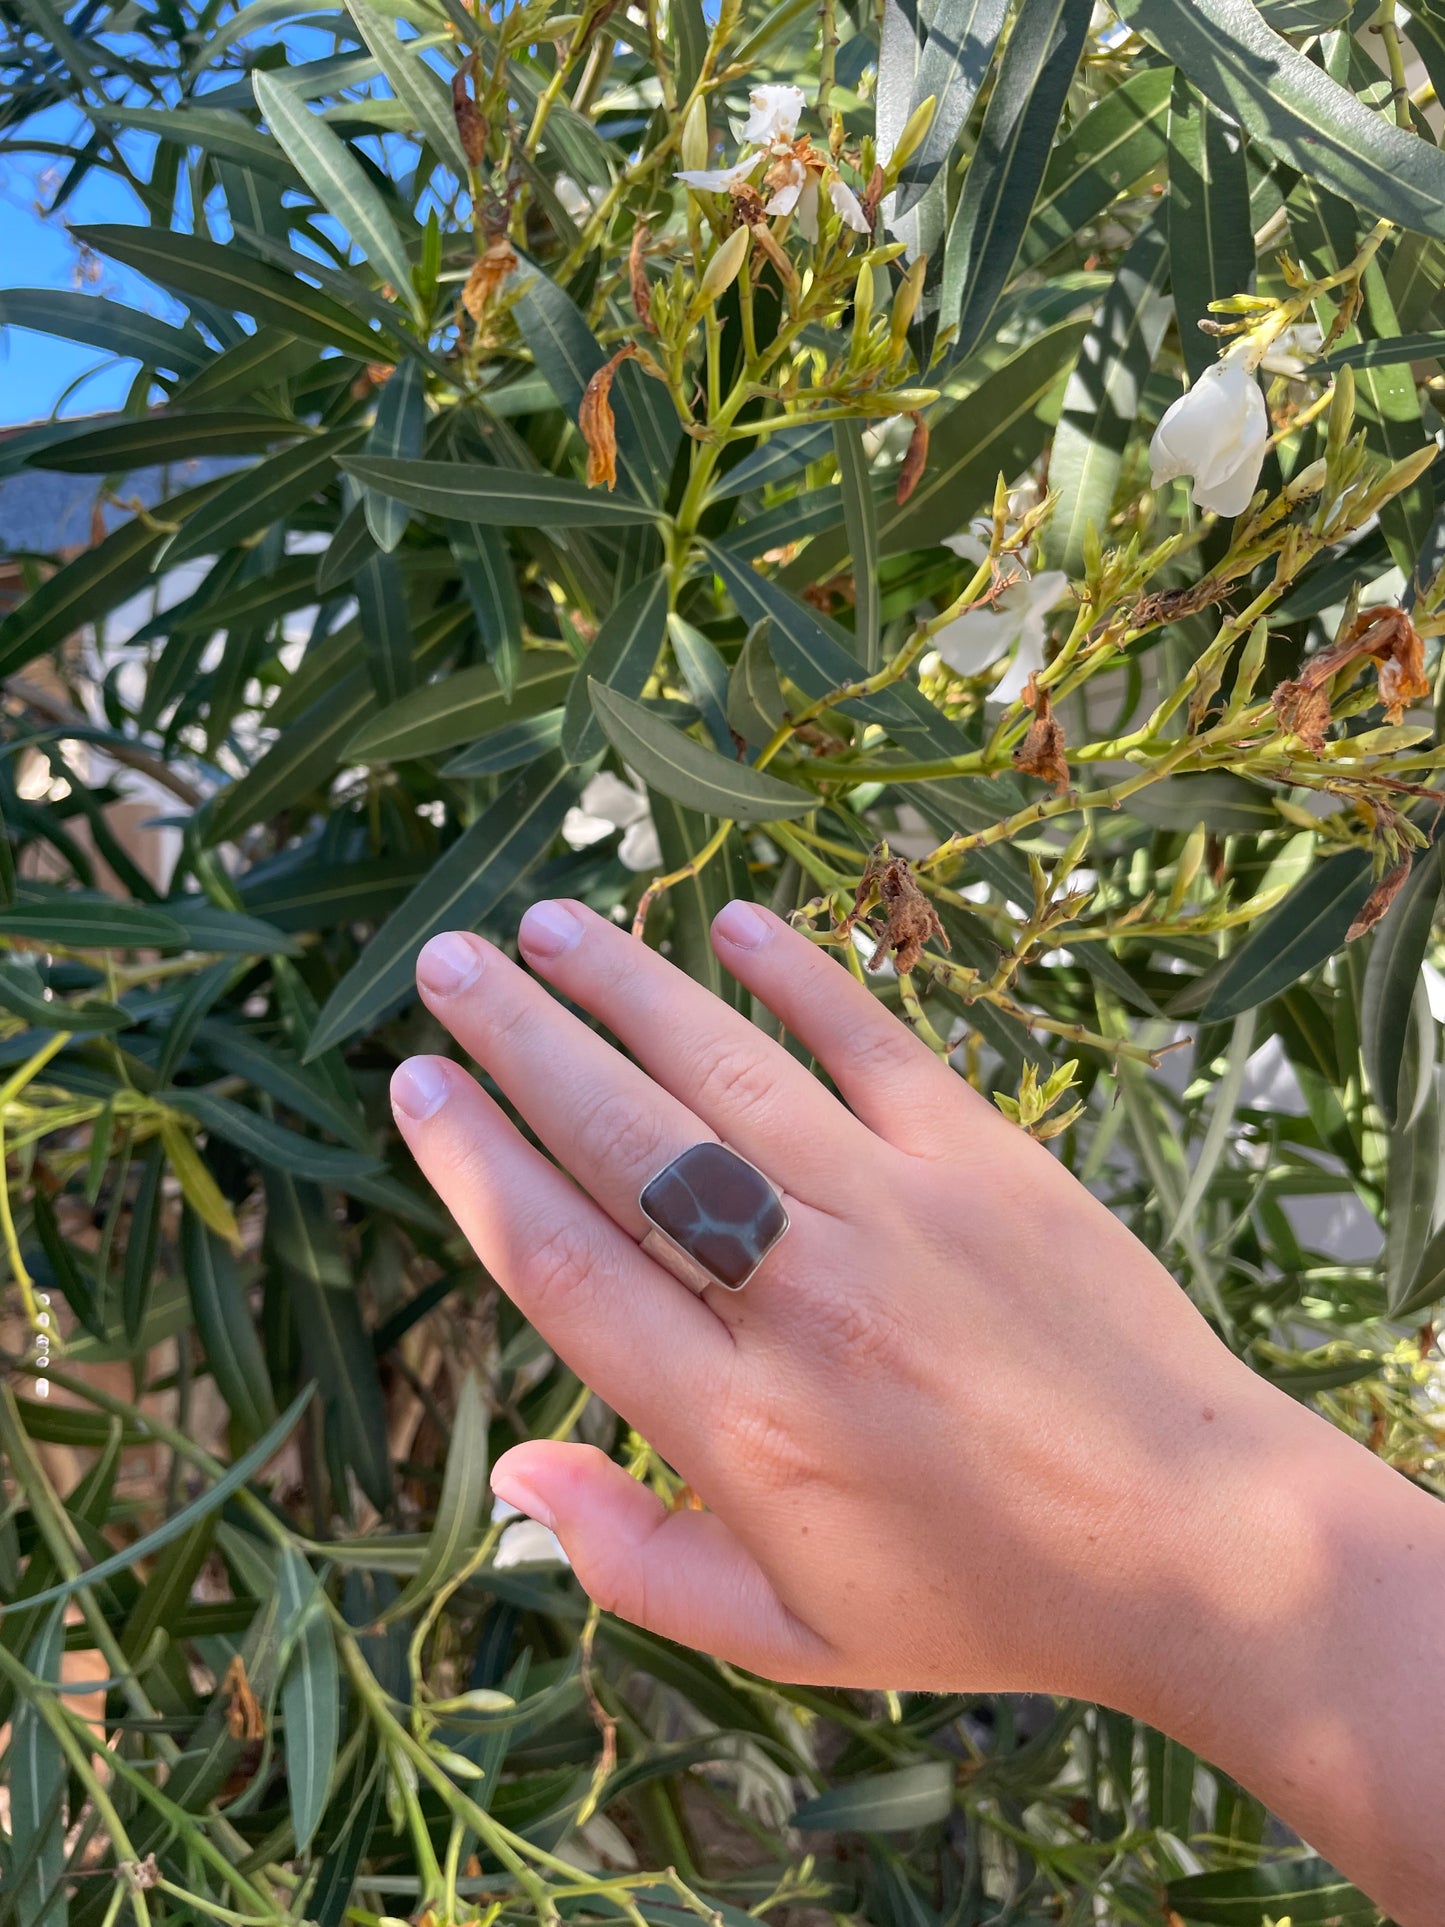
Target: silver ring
714,1217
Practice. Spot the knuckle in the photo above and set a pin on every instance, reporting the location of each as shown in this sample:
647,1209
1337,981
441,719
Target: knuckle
768,1442
561,1265
735,1082
859,1328
612,1129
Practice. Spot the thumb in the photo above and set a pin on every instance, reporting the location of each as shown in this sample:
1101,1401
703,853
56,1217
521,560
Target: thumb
681,1574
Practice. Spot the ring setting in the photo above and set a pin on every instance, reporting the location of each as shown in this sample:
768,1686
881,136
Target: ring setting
714,1217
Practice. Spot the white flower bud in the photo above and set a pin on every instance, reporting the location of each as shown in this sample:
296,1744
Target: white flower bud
1218,434
724,268
694,143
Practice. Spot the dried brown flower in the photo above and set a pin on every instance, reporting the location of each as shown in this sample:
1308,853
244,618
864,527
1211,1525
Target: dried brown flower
472,129
244,1718
637,277
1385,633
487,276
1380,899
598,424
909,920
873,193
915,461
1041,753
1303,711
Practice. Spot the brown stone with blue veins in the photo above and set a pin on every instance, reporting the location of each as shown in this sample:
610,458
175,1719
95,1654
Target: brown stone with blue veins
717,1207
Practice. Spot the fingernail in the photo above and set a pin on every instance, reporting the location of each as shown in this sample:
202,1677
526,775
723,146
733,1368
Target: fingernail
419,1087
511,1490
449,963
548,929
743,926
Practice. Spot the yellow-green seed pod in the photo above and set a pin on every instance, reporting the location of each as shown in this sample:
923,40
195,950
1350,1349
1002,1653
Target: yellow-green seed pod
723,269
694,143
1342,415
1191,857
912,137
905,304
1251,662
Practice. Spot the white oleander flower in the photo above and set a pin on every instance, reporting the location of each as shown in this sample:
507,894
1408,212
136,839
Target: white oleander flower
608,804
1017,621
795,191
524,1541
719,180
1217,433
848,207
775,112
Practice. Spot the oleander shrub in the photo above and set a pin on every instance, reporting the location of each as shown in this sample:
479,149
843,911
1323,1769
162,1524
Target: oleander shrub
494,514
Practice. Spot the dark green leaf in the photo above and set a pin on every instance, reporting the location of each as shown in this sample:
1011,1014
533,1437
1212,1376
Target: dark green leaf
1308,1892
755,701
262,495
101,323
860,524
491,586
1287,102
1308,926
226,1327
896,1802
1101,402
1211,233
962,35
496,497
476,872
1118,142
622,658
1007,168
460,708
398,432
190,265
1397,950
668,760
310,1695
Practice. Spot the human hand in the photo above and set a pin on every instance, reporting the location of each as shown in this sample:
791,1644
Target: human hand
946,1435
961,1431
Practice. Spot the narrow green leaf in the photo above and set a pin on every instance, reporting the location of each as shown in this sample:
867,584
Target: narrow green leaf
190,265
462,1509
1211,233
706,676
1285,101
460,708
510,746
398,431
226,1327
217,131
1397,950
668,760
261,496
331,1895
774,460
337,179
244,1469
302,1237
1308,926
310,1695
1007,168
622,658
1101,402
421,91
459,890
957,54
896,1802
36,1776
1308,1893
756,710
385,627
274,1144
92,922
1117,144
491,585
860,523
498,498
102,323
814,652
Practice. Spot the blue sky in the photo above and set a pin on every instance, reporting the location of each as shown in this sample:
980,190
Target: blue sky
35,370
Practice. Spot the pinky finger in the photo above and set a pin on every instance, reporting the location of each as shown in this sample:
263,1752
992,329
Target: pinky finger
680,1574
